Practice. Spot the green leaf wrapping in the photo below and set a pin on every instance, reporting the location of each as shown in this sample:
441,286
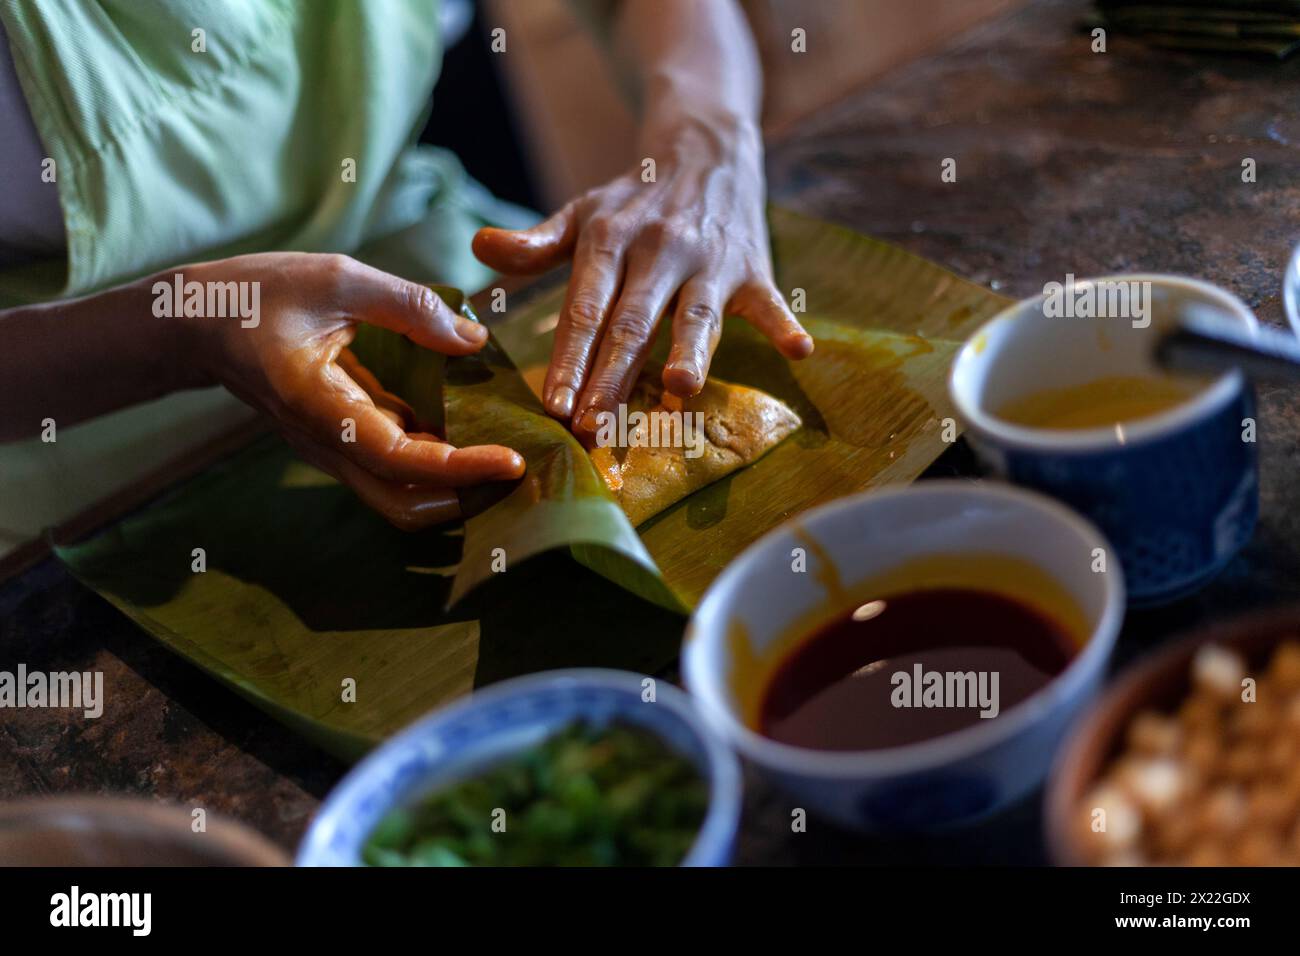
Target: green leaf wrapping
306,590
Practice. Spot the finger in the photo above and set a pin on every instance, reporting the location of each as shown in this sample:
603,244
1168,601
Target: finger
697,326
339,415
762,306
408,507
529,251
410,309
597,269
392,407
625,345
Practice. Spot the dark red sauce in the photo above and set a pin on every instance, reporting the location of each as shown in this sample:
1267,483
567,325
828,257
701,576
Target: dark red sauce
838,690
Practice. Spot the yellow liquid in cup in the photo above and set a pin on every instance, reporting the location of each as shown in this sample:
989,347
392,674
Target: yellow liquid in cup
1102,403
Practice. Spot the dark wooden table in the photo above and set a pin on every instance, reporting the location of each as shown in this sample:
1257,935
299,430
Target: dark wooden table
1067,162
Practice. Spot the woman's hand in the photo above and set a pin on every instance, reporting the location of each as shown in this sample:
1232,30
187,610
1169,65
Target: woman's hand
294,366
695,237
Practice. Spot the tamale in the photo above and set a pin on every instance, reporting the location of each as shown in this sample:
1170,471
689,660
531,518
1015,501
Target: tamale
723,428
660,448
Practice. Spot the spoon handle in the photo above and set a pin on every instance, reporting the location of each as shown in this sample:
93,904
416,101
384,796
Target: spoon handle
1203,340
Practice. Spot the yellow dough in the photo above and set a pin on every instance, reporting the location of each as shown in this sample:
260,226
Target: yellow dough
740,425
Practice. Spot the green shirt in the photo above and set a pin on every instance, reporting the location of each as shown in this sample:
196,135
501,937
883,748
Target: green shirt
284,124
210,128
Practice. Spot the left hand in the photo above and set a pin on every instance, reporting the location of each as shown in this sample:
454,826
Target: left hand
694,238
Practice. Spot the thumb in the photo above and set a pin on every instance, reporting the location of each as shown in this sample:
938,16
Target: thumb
413,310
528,251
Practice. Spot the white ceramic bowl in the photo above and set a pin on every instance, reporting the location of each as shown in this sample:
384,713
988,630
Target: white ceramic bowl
750,612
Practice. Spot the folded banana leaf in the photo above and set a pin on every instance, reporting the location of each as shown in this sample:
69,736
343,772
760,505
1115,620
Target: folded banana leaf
872,397
334,622
415,374
272,577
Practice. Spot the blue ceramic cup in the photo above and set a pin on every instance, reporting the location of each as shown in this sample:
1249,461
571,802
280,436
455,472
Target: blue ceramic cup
1176,493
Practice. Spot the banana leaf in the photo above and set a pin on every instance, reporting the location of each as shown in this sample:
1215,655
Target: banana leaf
332,621
304,589
415,374
873,397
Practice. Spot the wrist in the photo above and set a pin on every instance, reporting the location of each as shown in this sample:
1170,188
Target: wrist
179,340
679,112
709,136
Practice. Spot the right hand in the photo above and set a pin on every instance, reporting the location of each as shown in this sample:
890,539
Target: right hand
295,367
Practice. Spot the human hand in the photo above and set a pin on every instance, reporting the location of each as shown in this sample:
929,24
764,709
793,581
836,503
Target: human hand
293,365
696,236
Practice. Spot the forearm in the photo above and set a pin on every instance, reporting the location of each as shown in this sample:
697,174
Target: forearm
70,361
682,239
694,64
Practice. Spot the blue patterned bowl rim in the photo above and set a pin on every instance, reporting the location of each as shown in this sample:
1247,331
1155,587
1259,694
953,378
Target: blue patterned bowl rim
457,740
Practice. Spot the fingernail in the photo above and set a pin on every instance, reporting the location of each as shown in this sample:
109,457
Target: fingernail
471,331
589,422
803,344
683,377
561,403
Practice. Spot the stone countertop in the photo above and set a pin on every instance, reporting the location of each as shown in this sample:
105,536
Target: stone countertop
1068,161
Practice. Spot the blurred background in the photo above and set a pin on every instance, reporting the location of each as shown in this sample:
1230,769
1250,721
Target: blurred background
561,133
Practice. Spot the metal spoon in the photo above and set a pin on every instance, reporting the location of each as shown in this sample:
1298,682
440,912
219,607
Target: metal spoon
1206,339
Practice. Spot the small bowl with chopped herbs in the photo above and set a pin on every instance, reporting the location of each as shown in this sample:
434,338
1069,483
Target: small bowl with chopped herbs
585,768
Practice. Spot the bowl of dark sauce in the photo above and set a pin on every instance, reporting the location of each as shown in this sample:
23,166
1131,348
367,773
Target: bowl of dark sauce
908,659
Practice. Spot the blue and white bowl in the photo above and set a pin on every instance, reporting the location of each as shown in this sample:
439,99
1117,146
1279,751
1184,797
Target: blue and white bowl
467,737
1175,493
747,616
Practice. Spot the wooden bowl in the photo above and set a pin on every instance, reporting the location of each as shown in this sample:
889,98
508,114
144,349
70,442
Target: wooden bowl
1159,682
124,831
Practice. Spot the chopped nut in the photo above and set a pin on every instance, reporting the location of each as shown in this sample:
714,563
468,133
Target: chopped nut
1292,712
1218,670
1207,854
1172,834
1200,712
1256,848
1249,719
1285,666
1244,761
1203,753
1268,806
1155,783
1224,810
1154,733
1216,783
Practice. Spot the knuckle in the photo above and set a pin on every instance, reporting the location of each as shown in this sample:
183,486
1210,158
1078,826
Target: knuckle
336,266
419,299
660,237
586,312
604,237
396,448
632,328
603,390
379,462
702,315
